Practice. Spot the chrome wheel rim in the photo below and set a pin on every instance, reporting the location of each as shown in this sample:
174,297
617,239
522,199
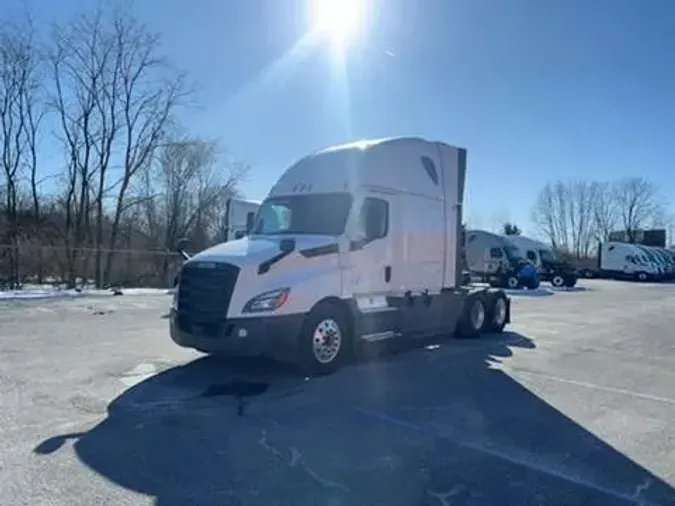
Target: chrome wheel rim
557,281
477,315
512,283
500,312
326,341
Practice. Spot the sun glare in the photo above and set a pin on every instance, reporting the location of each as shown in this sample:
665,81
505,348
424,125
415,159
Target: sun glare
338,20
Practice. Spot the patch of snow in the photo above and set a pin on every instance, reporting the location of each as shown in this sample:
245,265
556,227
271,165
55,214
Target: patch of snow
36,292
539,292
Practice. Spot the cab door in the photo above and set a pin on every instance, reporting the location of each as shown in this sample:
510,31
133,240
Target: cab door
369,256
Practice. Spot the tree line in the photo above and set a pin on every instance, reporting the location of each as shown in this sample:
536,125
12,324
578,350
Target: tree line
576,215
93,157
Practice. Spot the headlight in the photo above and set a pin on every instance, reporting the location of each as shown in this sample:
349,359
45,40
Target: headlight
268,301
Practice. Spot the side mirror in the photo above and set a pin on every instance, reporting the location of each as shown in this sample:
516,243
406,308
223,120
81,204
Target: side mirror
181,247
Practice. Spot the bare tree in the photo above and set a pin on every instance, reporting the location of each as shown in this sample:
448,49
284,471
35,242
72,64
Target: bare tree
638,204
184,192
150,92
605,210
549,215
564,213
580,215
79,68
115,96
19,123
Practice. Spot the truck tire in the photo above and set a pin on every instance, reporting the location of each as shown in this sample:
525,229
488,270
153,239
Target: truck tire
326,342
570,281
474,317
558,281
642,276
512,282
532,284
497,312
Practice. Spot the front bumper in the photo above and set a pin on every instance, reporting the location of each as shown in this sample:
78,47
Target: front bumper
272,336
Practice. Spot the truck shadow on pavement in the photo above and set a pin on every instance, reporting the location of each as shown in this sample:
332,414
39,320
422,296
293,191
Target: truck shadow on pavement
439,425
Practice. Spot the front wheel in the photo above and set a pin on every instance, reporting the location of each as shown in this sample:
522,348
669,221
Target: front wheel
558,281
512,282
325,342
642,276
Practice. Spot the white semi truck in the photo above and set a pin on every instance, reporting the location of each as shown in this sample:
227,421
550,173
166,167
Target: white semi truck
354,243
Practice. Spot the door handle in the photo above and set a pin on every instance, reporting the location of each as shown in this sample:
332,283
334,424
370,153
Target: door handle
387,273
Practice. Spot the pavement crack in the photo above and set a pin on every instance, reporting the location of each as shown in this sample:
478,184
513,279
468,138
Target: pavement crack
444,497
297,460
641,489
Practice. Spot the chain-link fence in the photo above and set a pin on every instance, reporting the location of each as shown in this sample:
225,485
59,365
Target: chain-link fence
34,263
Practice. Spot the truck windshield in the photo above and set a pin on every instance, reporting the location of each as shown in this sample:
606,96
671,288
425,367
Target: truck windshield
512,253
315,214
547,255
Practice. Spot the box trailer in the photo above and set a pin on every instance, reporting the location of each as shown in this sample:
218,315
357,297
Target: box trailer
353,244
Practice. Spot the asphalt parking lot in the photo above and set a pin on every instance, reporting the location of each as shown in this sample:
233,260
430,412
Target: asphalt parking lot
574,406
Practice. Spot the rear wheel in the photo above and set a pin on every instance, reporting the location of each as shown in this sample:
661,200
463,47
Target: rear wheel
325,342
497,312
570,281
474,317
532,283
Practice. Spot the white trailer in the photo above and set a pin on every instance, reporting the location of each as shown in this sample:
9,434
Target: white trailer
354,244
621,260
240,218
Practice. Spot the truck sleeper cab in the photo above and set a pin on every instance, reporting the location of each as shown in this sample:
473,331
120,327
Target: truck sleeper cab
353,244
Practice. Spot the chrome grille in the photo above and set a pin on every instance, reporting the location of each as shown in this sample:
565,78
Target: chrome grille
205,290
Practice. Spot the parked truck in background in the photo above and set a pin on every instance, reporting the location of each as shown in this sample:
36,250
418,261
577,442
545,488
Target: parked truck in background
240,216
492,258
557,272
353,244
620,260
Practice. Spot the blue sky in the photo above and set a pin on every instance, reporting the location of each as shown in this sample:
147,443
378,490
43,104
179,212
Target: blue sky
535,89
